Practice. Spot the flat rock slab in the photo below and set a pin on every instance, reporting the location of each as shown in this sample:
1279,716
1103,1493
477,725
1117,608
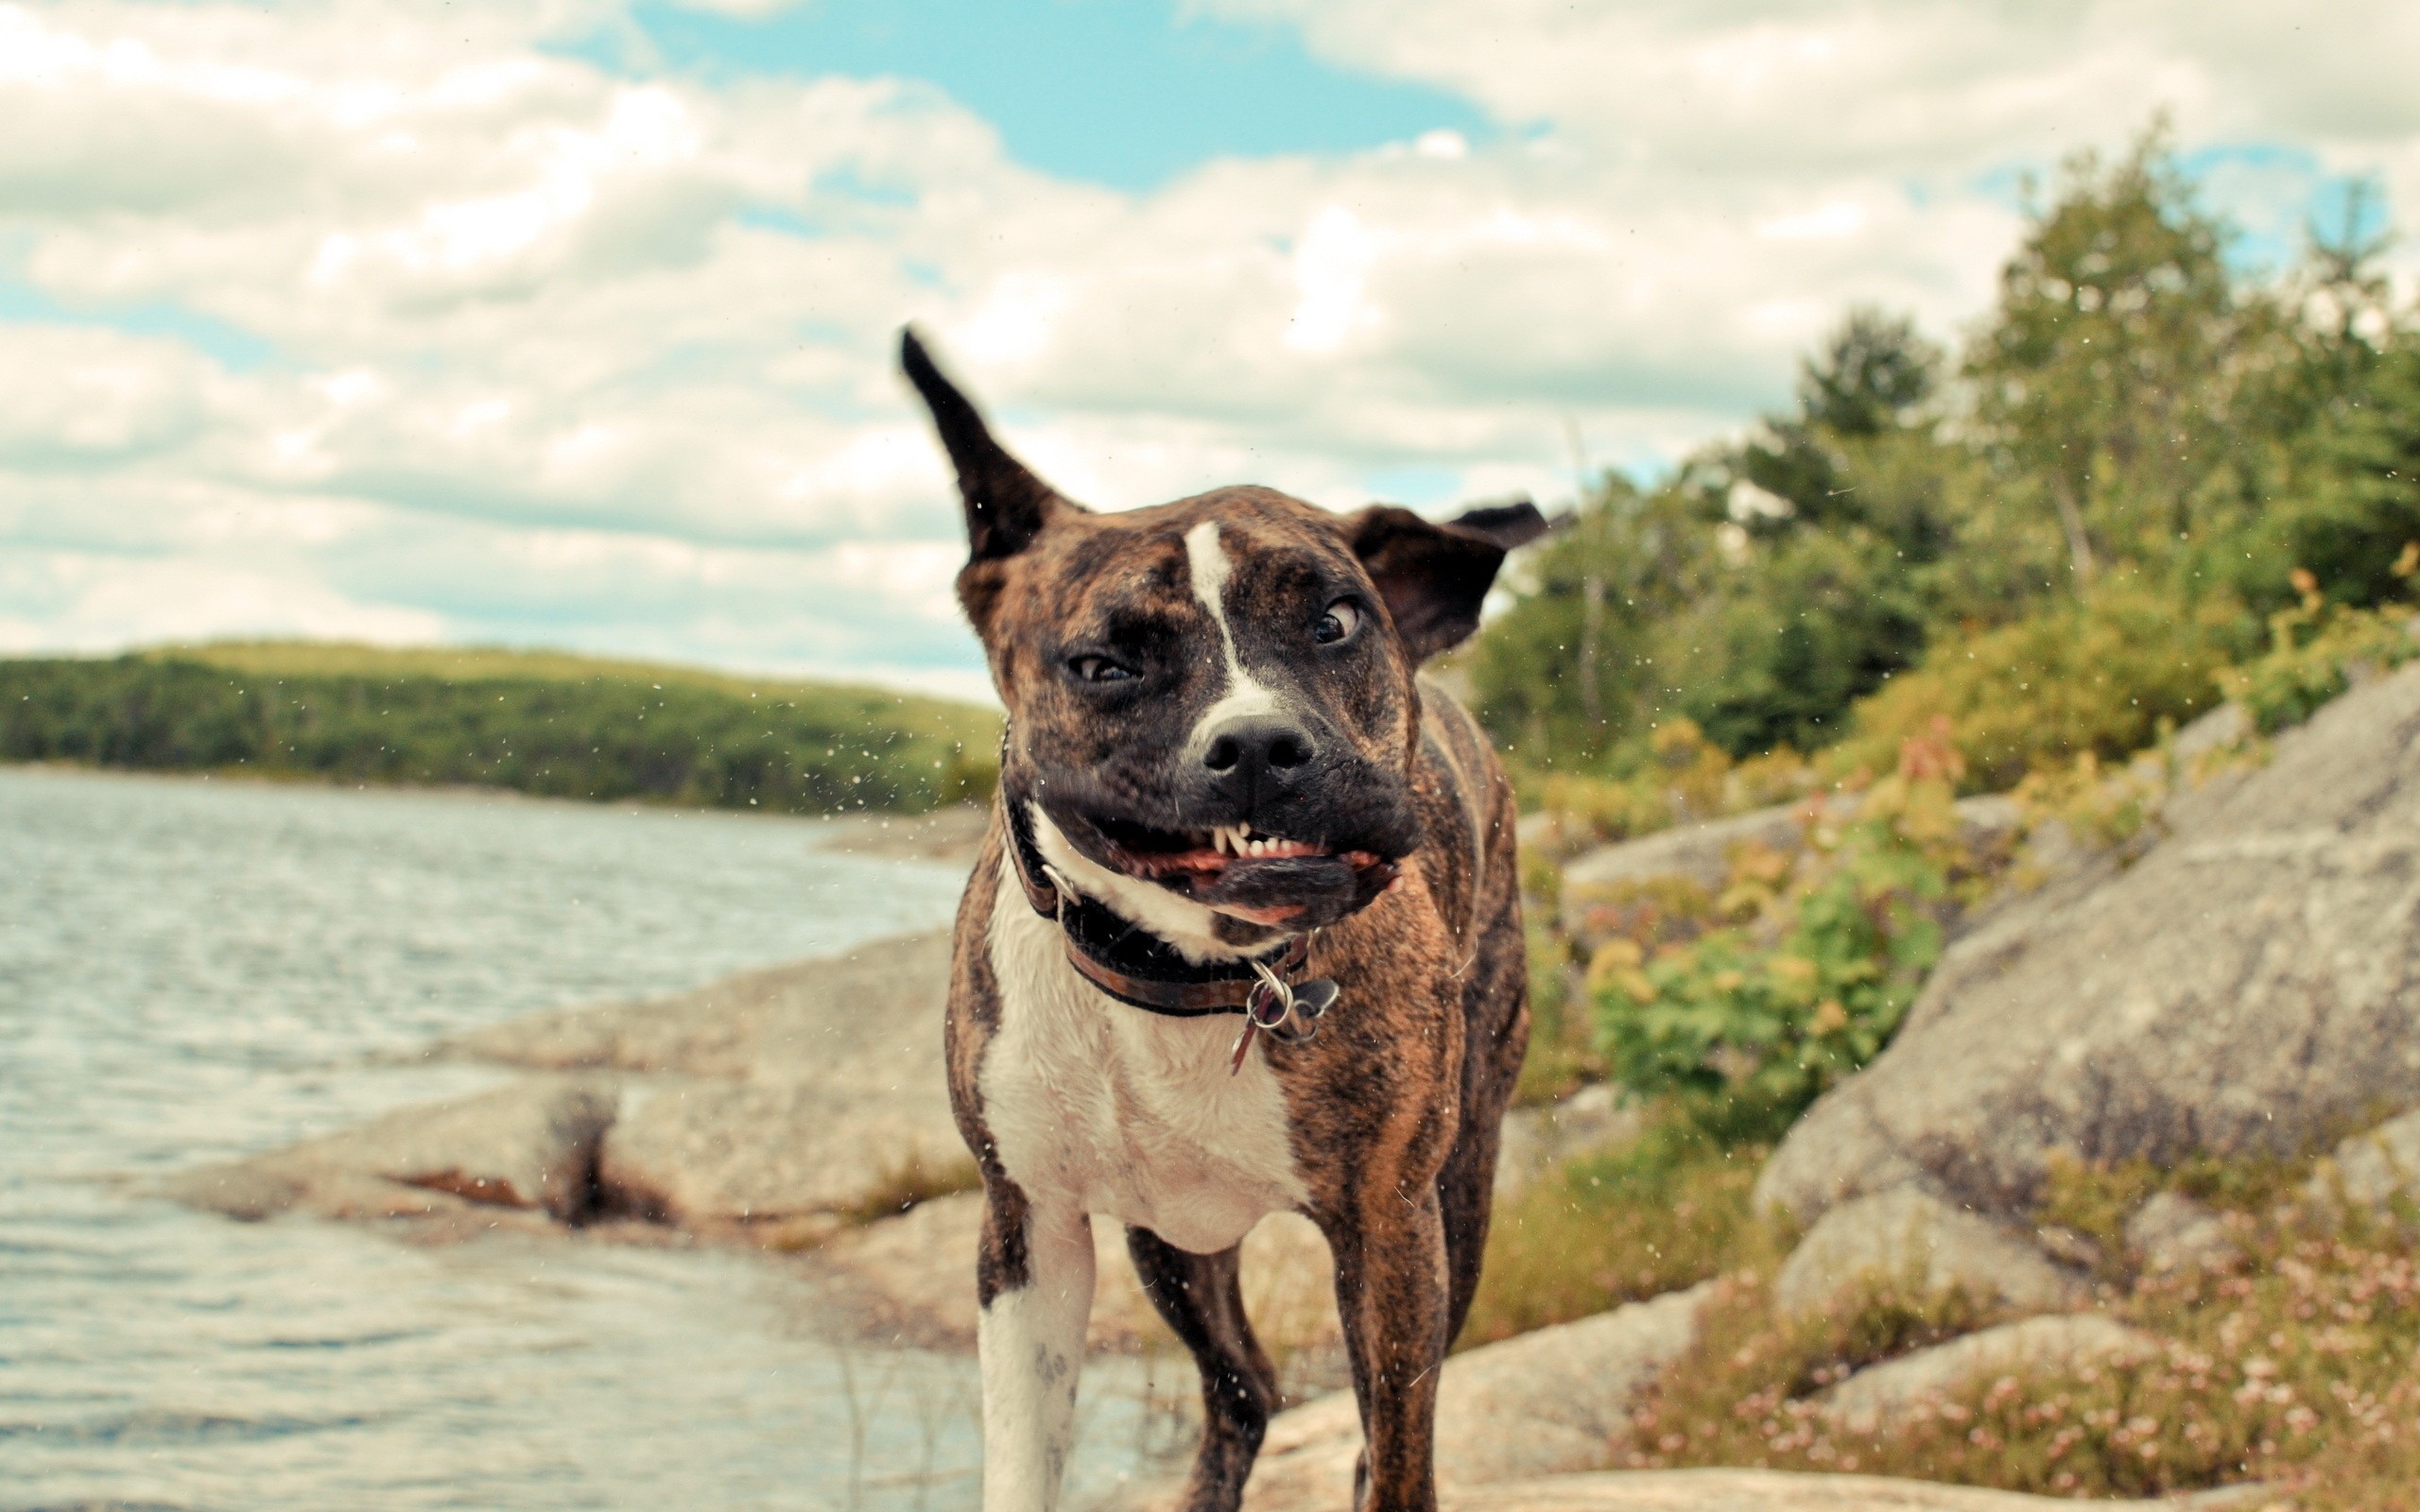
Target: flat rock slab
1552,1401
2171,1231
872,1015
1904,1240
2250,984
701,1154
2375,1169
2037,1346
774,1095
1729,1491
1702,853
796,1094
531,1145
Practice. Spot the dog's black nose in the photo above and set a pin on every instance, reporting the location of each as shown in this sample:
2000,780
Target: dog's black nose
1254,753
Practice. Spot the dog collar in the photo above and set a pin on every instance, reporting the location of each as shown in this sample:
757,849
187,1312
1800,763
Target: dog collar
1139,968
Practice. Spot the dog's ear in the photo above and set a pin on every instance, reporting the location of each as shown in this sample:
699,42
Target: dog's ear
1006,505
1434,576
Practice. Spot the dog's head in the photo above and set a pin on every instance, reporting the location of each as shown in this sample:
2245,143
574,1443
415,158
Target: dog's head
1212,717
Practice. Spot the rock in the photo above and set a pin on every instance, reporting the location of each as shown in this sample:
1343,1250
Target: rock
1894,1240
873,1014
530,1145
1556,1399
774,1104
2038,1345
2171,1231
2222,728
2376,1168
2245,986
701,1153
1730,1490
1537,1138
785,1095
1702,853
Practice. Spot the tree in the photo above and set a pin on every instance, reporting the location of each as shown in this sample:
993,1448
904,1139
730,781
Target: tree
1873,374
2100,384
1870,380
1628,563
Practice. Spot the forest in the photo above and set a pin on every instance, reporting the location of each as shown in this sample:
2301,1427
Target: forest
548,724
2149,469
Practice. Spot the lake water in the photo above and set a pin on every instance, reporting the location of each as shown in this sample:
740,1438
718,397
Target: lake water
192,971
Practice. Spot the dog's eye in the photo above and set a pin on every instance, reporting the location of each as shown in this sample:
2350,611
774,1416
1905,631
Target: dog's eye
1098,669
1342,618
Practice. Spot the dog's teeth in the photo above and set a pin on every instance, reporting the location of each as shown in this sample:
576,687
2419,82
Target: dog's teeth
1243,829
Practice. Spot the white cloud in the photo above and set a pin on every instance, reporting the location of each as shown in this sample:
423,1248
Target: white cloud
560,354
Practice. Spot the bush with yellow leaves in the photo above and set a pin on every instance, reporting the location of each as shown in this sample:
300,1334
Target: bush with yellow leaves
1749,1022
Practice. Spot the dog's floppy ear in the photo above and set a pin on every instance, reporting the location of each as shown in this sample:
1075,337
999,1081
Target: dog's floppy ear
1433,576
1006,505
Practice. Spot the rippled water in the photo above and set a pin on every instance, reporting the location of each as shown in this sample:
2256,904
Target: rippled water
191,970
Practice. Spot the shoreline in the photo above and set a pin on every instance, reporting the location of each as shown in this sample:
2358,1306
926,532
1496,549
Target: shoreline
944,821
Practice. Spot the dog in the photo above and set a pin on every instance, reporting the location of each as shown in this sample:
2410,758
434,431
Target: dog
1245,936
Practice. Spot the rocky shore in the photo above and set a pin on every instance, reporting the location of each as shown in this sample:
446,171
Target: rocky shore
2243,980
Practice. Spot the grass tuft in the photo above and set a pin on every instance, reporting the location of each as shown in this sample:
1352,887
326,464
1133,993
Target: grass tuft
2296,1367
1663,1212
913,1180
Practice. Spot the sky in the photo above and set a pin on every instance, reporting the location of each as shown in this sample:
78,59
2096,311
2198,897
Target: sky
571,323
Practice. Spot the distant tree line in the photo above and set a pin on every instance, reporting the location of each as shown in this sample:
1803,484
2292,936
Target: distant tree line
605,734
2140,456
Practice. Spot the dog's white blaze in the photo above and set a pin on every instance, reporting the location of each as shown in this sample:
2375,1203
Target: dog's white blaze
1181,922
1032,1345
1211,569
1099,1108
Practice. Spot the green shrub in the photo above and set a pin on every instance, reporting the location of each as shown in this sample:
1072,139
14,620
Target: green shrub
1747,1023
2314,647
1794,636
2095,675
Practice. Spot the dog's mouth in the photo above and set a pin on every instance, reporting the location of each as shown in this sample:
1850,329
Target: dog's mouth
1154,855
1280,882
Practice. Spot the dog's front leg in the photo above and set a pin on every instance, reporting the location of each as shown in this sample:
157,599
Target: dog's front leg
1391,1291
1034,1279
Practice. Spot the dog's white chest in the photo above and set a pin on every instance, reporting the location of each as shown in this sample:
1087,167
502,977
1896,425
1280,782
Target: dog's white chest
1123,1112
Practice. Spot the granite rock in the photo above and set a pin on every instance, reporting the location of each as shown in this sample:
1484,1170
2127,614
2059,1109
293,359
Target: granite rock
1878,1394
2173,1232
1553,1401
1905,1241
2247,985
531,1145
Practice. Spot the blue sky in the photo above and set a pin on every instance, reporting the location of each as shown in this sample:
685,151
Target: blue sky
570,323
1113,92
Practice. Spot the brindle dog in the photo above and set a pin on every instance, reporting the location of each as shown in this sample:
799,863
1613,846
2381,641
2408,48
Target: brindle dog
1218,751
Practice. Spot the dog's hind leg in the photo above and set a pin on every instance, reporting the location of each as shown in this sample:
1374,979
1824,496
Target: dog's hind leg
1034,1279
1201,1297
